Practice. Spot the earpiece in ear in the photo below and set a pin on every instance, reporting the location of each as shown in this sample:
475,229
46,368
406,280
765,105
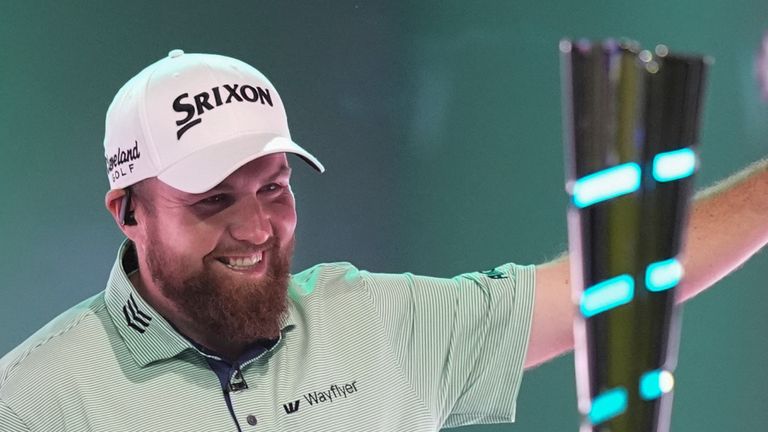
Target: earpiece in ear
126,215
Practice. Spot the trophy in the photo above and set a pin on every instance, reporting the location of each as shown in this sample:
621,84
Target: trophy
631,127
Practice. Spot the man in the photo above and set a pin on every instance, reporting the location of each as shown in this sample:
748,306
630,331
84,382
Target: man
202,326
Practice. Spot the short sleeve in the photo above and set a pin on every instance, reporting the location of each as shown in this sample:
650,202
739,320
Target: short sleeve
460,342
9,420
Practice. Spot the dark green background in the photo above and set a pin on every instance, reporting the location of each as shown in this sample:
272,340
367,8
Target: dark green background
439,123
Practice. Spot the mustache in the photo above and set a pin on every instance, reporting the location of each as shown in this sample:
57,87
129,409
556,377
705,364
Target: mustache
245,248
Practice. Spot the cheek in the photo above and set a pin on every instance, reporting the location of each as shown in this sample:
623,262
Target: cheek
284,221
185,238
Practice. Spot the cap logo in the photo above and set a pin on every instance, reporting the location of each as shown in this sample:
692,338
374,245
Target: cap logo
120,157
201,102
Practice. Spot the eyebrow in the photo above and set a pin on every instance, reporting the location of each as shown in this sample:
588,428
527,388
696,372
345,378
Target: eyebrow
283,170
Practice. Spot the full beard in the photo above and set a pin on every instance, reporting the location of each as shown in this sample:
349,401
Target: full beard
233,311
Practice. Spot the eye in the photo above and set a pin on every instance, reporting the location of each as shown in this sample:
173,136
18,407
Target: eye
213,200
272,187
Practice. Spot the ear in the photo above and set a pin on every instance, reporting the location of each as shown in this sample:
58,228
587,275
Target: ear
114,202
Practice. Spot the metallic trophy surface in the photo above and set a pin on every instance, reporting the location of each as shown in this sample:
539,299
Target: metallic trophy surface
631,127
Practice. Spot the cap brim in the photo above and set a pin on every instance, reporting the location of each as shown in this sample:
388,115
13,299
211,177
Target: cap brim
202,170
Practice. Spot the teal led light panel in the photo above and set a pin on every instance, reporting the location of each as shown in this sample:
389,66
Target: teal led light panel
674,165
608,405
606,184
663,275
655,383
607,295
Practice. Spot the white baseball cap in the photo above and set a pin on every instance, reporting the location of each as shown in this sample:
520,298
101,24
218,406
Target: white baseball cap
191,120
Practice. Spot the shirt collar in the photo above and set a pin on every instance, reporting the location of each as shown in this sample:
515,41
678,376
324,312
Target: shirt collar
148,336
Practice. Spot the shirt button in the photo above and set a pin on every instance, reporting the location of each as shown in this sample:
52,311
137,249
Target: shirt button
252,420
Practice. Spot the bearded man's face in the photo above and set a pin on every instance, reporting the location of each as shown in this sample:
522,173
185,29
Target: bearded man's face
221,259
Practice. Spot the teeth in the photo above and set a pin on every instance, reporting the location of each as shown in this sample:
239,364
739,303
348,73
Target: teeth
243,261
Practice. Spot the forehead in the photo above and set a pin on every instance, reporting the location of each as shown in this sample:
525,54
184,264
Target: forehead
260,169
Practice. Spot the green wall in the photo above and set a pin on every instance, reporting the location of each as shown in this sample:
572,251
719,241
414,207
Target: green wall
439,123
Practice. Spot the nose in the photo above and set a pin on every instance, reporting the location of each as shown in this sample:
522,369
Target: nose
250,221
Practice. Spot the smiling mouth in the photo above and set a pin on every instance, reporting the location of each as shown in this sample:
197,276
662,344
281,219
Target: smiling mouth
242,262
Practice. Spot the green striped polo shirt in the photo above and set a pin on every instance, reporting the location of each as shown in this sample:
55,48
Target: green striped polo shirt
358,351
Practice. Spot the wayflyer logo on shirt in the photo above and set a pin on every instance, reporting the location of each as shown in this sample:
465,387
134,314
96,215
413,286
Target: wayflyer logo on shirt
335,392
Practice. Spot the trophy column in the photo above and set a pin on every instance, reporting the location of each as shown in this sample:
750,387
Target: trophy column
631,121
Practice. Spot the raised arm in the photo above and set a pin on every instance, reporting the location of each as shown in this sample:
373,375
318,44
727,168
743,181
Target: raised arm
728,224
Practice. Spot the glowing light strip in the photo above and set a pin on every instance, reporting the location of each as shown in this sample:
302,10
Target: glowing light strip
608,405
674,165
606,184
663,275
655,383
607,295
